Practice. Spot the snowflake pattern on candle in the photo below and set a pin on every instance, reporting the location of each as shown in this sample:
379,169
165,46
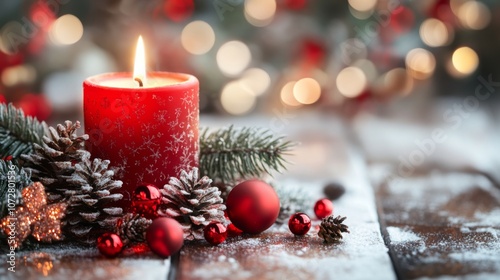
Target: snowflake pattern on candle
149,137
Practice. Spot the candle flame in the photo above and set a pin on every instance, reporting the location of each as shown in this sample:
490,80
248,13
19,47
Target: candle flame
140,61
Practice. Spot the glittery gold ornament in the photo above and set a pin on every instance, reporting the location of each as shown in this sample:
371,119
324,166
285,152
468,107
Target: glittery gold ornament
34,217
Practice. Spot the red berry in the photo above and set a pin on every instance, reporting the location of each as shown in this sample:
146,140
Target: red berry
299,223
215,233
323,208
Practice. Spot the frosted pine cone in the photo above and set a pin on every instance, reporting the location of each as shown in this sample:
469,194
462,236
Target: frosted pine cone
67,172
52,163
192,202
132,228
331,229
89,190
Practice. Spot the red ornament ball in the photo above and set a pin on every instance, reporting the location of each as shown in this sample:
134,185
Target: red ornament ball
215,233
109,244
146,200
323,208
299,223
253,206
165,237
233,231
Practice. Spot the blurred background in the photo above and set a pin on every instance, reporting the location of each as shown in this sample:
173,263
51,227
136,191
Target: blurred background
342,57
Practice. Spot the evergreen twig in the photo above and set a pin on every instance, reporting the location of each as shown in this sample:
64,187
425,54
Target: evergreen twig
18,132
231,154
18,176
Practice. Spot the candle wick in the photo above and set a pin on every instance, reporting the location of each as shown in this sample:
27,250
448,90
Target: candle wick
139,81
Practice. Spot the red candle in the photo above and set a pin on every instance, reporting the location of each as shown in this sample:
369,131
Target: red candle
147,126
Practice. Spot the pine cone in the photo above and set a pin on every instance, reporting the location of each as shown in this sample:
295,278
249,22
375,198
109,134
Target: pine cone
331,229
89,189
132,228
192,202
67,172
52,163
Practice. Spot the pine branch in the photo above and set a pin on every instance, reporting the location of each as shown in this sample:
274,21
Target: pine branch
18,132
10,172
231,154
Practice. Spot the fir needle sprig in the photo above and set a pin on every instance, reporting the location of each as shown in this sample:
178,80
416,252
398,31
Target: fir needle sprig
231,154
18,132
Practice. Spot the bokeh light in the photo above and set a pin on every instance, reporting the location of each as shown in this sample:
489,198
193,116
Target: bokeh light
397,81
420,63
236,99
260,12
198,37
362,9
233,57
307,91
66,30
434,33
256,80
368,68
287,96
464,61
351,82
20,74
474,15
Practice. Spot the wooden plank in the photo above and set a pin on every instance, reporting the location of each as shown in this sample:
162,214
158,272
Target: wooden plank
442,224
73,261
276,253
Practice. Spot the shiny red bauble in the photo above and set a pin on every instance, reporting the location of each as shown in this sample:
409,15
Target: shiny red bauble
165,237
253,206
109,244
215,233
299,223
323,208
145,201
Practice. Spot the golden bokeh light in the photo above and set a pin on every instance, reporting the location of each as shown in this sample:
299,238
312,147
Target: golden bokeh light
198,37
420,63
260,12
434,33
362,5
474,15
20,74
465,61
287,96
233,57
236,99
256,80
397,81
351,81
307,91
66,30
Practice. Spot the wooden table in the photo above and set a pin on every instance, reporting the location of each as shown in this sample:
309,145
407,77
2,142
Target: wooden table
430,224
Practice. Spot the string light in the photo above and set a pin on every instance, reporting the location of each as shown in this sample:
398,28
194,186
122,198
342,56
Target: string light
307,91
66,30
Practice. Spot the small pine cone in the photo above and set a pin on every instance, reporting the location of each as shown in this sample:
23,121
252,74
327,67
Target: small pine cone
132,228
192,202
331,229
52,162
